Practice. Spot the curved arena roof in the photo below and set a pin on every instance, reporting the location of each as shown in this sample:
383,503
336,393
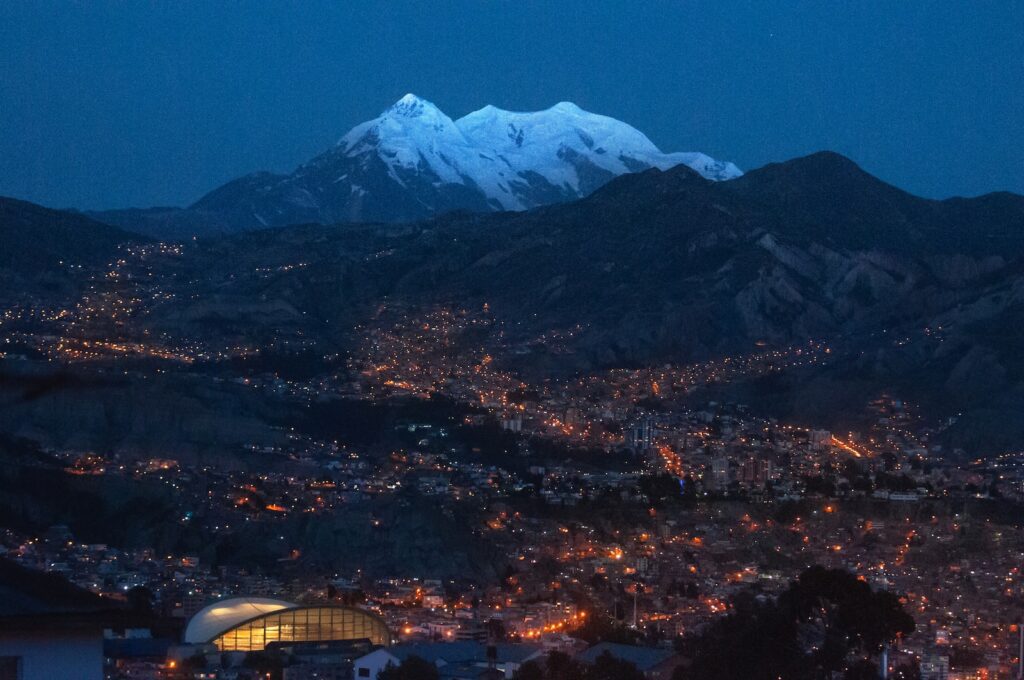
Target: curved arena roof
250,624
214,619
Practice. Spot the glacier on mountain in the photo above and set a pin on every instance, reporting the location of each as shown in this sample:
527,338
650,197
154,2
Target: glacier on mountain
413,162
504,153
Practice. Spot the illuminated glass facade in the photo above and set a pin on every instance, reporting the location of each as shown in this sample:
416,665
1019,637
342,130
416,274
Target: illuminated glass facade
304,624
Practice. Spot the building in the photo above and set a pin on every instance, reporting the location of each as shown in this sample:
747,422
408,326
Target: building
934,667
640,435
247,624
50,628
820,439
133,657
719,476
320,660
756,473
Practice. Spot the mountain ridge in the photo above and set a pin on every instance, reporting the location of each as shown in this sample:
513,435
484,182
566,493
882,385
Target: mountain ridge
36,237
413,161
918,297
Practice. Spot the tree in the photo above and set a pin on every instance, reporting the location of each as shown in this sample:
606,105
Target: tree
862,669
265,664
564,667
827,621
560,666
607,667
557,666
600,629
412,668
531,670
660,488
196,662
140,600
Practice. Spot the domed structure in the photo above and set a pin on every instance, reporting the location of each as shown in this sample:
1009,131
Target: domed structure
248,624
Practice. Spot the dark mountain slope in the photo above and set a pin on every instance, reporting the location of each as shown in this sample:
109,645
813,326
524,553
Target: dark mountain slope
166,223
669,263
828,198
772,255
917,296
44,253
413,162
37,238
668,266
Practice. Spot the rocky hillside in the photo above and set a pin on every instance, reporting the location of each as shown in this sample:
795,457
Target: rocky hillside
919,296
669,266
37,239
42,249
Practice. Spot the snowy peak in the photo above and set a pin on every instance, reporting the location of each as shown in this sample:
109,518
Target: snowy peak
413,161
563,122
573,149
564,125
411,106
507,155
412,113
411,118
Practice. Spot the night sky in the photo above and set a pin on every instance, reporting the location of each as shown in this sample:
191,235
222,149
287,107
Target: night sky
143,103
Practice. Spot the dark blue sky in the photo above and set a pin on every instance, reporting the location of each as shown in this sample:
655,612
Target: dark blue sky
144,103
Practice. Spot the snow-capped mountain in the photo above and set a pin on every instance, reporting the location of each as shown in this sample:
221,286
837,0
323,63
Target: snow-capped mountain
414,161
571,149
517,160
